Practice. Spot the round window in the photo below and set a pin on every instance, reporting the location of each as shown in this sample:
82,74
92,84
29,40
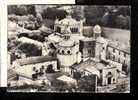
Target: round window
68,51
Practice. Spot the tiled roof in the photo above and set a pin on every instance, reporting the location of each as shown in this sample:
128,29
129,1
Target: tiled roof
91,63
90,66
34,60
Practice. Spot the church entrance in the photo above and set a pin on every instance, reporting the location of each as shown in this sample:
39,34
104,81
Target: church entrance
109,77
109,80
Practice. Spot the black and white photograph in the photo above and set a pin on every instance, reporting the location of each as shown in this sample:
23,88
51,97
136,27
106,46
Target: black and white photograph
68,48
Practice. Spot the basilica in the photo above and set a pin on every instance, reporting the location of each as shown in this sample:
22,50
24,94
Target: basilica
73,52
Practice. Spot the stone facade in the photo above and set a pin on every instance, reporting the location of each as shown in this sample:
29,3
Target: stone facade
119,56
68,54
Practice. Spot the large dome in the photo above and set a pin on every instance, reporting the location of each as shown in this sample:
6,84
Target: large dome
67,43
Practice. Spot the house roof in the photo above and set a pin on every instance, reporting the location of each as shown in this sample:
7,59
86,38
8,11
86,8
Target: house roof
66,79
11,73
34,60
28,40
46,29
90,66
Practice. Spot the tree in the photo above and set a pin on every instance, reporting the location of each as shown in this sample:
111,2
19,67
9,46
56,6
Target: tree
62,86
22,10
12,9
94,14
50,69
31,18
30,49
39,20
87,83
122,22
53,13
31,10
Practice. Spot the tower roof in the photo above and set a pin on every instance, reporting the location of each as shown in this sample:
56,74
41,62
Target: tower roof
67,43
97,29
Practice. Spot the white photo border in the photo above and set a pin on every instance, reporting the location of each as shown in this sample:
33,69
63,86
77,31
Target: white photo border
3,30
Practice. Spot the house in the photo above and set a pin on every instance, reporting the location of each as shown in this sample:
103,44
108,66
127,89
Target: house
28,66
119,53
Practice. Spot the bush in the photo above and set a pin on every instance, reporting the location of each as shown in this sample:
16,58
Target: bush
22,10
52,13
30,50
87,83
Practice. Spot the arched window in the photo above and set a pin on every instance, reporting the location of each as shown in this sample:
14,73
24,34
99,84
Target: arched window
73,30
34,68
58,51
109,73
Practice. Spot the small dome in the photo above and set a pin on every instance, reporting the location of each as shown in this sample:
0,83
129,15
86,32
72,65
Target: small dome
97,29
67,43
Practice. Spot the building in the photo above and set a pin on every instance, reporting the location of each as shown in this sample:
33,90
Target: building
93,48
25,66
117,54
68,54
68,23
107,72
